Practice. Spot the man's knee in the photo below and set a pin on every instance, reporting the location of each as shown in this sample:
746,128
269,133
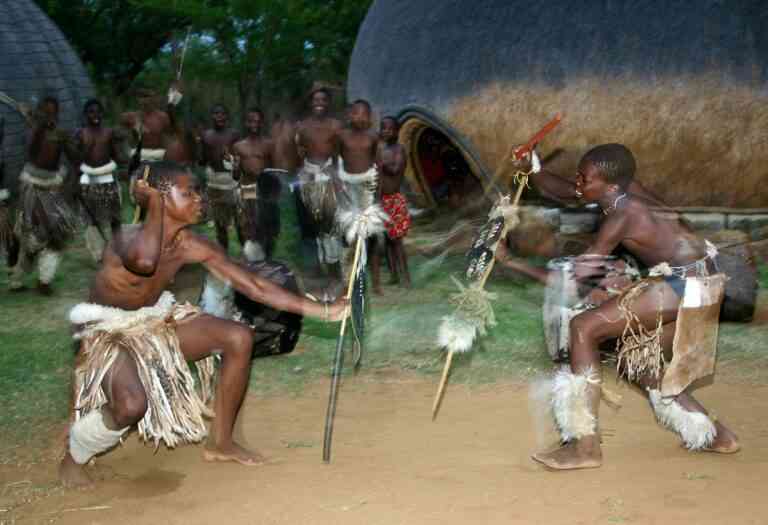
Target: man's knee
128,407
583,328
241,340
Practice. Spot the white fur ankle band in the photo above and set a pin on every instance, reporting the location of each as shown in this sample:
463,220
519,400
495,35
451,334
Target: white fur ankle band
90,436
695,429
574,416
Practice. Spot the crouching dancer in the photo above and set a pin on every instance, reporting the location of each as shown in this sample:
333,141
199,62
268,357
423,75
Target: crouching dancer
644,317
135,340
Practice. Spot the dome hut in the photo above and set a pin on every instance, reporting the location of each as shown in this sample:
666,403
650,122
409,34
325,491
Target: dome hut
683,84
36,61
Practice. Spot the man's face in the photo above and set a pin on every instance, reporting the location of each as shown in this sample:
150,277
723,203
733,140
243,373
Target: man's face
591,186
359,116
319,103
50,114
147,99
93,115
183,202
220,117
388,131
253,123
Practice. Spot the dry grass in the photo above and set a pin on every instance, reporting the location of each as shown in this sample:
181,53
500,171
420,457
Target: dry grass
698,141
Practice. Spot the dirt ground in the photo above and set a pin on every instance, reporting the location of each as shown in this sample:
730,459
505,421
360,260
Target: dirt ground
392,465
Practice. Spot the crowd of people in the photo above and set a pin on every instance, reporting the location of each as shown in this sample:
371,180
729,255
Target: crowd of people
70,181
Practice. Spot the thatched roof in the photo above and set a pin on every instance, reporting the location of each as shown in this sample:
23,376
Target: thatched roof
684,84
36,61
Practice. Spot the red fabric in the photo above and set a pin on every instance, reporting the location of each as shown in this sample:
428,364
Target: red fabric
399,219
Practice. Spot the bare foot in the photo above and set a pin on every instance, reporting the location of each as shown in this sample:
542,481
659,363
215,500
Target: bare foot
233,452
725,442
73,475
583,453
44,289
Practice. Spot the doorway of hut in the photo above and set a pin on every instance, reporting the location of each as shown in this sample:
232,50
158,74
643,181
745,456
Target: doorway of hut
440,172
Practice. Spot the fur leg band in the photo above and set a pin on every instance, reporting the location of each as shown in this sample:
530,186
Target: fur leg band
47,263
90,436
574,416
253,251
695,429
94,242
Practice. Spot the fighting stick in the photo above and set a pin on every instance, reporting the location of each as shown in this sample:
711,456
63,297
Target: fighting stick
481,285
338,357
517,153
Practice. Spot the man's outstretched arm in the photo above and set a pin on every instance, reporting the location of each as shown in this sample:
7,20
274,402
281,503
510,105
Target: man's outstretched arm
200,250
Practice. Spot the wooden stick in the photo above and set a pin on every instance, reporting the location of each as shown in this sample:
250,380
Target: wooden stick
504,230
441,386
537,137
183,53
519,152
444,378
137,210
337,360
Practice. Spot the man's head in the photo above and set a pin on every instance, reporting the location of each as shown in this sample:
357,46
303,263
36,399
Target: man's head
320,102
93,112
389,129
147,98
254,121
359,114
219,116
603,170
49,111
179,188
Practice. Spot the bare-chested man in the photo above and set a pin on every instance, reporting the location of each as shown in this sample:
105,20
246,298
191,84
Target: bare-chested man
217,145
46,220
135,339
259,210
604,176
391,162
98,149
358,173
317,138
151,124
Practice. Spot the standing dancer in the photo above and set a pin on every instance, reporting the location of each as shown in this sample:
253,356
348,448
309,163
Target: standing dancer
391,161
360,177
135,340
317,138
259,210
217,145
644,318
100,193
46,221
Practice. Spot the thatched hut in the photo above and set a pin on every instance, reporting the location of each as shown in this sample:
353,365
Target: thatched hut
35,61
683,84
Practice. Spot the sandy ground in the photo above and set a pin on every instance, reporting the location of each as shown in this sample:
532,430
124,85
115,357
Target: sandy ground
392,465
